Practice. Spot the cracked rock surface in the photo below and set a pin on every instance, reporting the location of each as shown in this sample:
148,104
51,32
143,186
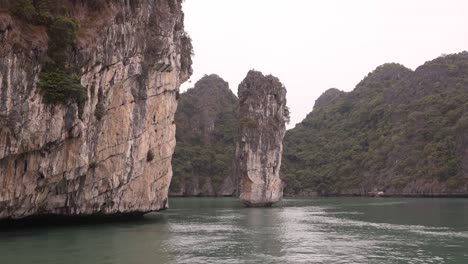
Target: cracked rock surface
111,155
262,118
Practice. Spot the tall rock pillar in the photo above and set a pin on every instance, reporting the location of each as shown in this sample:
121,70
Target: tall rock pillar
259,142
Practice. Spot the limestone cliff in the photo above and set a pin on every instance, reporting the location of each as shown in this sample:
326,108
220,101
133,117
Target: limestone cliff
109,154
205,148
262,117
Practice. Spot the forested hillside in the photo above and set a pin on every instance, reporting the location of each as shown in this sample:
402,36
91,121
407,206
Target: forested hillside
400,131
203,157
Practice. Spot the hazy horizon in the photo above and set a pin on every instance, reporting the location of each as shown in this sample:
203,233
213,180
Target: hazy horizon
312,46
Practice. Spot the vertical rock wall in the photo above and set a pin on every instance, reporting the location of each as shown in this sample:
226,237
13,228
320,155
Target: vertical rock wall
111,155
262,117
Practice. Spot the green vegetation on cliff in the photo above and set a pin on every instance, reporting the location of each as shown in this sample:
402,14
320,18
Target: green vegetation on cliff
399,130
58,83
205,121
44,12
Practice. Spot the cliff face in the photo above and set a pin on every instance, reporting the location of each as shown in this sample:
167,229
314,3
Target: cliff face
110,154
399,131
204,153
262,118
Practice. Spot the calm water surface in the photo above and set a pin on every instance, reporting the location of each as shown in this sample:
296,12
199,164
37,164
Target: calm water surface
199,230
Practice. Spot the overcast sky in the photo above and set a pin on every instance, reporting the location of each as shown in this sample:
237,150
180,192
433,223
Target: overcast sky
314,45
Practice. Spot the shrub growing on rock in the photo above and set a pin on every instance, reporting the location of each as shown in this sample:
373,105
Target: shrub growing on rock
23,9
59,87
57,83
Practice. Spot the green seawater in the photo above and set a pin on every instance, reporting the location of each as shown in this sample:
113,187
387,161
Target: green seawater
206,230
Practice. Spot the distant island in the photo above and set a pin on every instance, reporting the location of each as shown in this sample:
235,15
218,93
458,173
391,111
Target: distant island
398,133
204,154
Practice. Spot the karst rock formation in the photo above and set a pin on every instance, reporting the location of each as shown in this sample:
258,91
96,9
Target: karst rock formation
110,153
262,116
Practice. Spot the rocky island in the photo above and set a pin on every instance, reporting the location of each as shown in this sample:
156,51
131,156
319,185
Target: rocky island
262,117
400,132
204,154
88,92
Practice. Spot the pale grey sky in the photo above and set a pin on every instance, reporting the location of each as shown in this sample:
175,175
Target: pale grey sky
315,45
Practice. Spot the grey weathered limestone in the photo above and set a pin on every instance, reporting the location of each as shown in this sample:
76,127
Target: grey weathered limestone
262,118
71,160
